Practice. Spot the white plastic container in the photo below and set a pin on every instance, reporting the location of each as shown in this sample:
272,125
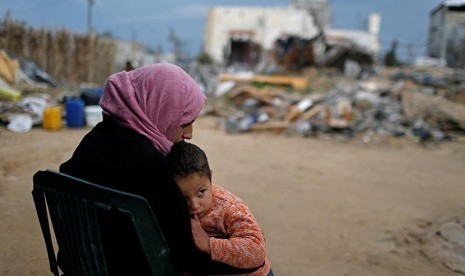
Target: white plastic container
93,115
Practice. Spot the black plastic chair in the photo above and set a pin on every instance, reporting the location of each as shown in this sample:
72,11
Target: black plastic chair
73,205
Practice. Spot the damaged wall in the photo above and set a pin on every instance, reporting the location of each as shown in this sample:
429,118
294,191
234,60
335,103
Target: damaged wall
447,33
258,25
286,38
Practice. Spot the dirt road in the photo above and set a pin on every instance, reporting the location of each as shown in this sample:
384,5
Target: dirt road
326,208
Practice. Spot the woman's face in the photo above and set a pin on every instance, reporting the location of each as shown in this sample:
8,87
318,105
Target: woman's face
183,132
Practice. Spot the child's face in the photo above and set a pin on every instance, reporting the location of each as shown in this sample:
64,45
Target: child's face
196,188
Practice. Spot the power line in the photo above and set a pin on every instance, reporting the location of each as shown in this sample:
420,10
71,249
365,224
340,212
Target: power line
90,3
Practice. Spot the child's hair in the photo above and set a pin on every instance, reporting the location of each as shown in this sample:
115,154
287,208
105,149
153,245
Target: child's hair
186,159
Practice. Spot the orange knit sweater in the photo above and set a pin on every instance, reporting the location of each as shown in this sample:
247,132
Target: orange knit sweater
235,237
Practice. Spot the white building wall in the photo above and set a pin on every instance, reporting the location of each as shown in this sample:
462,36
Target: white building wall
374,24
266,23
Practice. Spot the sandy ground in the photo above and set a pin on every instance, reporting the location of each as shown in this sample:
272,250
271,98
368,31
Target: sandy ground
326,207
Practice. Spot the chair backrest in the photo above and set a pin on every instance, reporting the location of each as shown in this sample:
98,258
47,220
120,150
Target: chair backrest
73,204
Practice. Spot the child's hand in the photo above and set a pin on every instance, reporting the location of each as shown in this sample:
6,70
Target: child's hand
201,238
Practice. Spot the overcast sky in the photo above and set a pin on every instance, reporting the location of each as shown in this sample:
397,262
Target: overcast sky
149,21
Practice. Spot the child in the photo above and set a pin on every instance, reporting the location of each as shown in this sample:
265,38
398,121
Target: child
222,224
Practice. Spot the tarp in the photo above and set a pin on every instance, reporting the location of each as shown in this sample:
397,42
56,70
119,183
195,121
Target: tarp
8,67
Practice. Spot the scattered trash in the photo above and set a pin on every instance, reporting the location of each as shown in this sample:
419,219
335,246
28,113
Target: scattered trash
35,73
93,115
20,123
224,87
10,94
418,104
35,106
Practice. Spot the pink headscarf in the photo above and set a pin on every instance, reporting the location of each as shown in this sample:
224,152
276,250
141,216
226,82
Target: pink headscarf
153,100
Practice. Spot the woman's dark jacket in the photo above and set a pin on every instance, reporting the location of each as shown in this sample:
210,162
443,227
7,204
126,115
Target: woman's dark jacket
118,157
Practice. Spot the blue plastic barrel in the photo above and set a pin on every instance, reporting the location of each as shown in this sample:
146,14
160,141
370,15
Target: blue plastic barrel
75,116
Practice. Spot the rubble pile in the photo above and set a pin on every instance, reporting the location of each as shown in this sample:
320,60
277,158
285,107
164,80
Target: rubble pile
421,103
424,104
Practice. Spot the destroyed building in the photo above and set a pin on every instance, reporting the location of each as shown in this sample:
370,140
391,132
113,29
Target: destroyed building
447,33
246,34
357,45
291,37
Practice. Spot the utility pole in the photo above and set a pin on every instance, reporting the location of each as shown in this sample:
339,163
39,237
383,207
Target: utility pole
90,3
410,53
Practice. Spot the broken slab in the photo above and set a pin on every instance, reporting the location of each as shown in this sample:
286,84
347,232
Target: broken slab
419,105
447,245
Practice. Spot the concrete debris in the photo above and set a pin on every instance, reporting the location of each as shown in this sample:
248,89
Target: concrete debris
420,105
447,245
433,109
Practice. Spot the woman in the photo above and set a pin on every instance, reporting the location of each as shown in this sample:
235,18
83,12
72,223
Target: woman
145,111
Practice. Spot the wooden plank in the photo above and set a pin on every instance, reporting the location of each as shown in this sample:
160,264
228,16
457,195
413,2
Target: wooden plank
296,82
293,81
272,125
